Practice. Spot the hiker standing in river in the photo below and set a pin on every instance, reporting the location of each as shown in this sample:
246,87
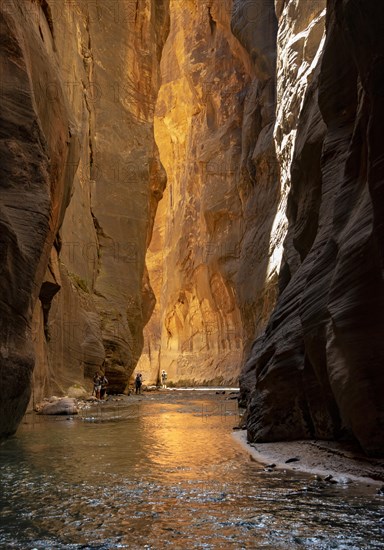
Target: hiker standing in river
104,384
97,385
138,382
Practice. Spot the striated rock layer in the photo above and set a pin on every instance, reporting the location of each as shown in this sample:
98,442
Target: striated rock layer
80,182
37,143
317,371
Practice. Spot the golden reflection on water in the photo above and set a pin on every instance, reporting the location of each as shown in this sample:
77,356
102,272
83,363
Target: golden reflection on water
164,472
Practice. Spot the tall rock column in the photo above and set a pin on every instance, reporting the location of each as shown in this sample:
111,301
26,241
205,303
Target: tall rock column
255,25
125,190
111,66
299,44
198,227
352,162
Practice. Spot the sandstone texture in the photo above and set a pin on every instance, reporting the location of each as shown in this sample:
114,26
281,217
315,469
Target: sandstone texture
80,182
214,128
317,371
37,142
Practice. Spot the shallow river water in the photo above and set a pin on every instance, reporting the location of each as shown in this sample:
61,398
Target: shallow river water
163,471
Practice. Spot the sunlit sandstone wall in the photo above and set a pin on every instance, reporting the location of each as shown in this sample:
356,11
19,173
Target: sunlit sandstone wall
317,371
198,227
208,120
80,184
226,124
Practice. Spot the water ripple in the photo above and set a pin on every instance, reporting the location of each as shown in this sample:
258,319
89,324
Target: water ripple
167,475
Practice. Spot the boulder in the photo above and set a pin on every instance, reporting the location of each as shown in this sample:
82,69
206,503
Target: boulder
64,406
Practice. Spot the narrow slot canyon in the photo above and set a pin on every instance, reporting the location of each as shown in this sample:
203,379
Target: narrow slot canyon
195,187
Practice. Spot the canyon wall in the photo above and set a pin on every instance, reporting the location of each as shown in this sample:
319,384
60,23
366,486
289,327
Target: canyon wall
80,183
36,145
235,74
269,143
316,372
214,128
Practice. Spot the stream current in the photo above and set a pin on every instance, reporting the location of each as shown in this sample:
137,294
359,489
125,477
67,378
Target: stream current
162,470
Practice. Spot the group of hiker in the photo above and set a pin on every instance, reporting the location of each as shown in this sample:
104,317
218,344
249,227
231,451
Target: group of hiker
139,381
100,383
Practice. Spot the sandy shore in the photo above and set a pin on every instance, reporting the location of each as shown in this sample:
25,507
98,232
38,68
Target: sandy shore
324,458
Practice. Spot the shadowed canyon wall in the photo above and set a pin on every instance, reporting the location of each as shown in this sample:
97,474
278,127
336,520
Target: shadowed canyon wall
317,371
80,183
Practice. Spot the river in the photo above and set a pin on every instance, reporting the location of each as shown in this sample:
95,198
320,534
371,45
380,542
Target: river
162,470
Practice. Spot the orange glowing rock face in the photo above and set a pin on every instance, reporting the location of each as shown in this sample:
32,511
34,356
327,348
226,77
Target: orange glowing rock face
199,268
218,236
215,244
